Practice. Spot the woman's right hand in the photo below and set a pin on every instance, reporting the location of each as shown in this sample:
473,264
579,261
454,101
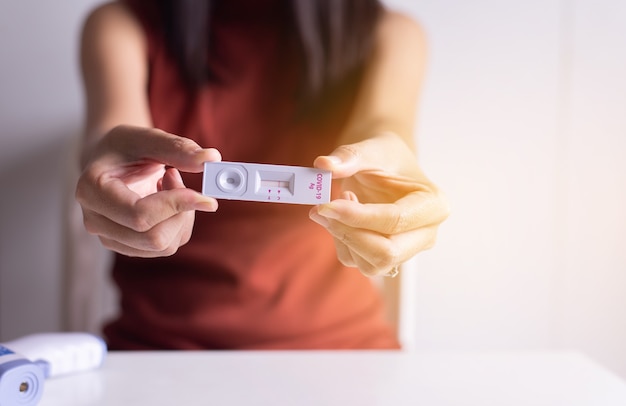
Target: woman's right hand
132,195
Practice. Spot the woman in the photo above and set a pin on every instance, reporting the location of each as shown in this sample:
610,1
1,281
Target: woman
172,84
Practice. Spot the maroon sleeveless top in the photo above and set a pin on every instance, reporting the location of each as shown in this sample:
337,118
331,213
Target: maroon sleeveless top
254,275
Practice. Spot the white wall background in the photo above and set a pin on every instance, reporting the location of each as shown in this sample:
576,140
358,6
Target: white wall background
39,114
40,121
522,123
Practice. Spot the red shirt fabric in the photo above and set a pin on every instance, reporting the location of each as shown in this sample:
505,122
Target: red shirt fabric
254,275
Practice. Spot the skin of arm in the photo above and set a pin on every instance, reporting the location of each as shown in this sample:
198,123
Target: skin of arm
388,210
131,195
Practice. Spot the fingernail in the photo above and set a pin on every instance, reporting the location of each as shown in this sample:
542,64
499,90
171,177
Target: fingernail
335,159
321,220
328,212
349,196
207,205
214,154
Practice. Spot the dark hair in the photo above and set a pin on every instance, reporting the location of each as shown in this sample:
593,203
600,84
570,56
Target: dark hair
334,37
185,25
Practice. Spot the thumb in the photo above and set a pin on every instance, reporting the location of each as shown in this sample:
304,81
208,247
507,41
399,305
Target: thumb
347,160
386,152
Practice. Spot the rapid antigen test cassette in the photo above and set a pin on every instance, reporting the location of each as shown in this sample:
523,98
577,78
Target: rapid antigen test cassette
266,183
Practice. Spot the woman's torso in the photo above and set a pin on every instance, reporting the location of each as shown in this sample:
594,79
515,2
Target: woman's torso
254,275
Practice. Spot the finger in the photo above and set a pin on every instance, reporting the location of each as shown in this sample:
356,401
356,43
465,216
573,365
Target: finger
413,211
120,248
160,239
375,253
343,252
315,215
369,155
172,180
344,255
122,206
348,195
133,144
370,251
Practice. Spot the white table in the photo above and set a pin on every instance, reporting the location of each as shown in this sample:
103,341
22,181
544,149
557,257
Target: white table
340,378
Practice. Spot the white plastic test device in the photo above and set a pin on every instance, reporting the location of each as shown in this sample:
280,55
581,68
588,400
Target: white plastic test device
266,183
27,361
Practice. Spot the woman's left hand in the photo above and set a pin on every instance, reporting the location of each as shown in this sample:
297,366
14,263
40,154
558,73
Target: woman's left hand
388,210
